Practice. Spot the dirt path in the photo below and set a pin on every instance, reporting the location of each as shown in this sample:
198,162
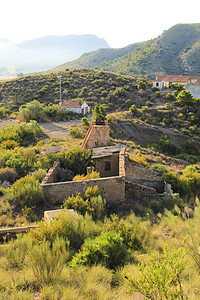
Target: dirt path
59,129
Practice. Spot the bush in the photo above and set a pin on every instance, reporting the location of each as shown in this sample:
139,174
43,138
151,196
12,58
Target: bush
139,158
48,261
46,160
32,111
85,122
24,134
92,175
107,249
75,159
8,174
9,144
16,251
133,109
159,168
39,175
24,192
78,204
21,160
161,278
91,202
73,228
76,133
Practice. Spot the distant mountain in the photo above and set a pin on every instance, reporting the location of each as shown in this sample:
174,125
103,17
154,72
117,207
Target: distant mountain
175,51
47,52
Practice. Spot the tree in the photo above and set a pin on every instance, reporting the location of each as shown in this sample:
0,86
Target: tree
99,114
185,98
133,109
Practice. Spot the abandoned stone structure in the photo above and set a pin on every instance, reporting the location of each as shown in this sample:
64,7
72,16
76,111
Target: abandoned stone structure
113,184
123,181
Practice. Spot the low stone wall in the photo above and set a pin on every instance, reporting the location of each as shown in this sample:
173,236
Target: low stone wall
136,171
113,187
137,193
158,185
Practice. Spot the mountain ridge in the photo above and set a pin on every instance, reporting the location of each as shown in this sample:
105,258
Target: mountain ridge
48,51
175,51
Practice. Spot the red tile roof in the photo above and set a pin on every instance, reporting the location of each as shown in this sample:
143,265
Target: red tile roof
72,104
174,78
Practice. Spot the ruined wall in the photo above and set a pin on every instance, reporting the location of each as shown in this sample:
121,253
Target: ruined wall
136,193
113,187
97,135
135,171
52,174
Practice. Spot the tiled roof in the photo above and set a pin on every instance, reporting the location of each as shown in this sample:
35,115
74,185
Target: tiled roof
174,78
72,104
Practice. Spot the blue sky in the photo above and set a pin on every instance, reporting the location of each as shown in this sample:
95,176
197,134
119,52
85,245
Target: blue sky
120,23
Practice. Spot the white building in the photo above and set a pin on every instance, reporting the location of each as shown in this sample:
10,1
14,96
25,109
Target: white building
80,107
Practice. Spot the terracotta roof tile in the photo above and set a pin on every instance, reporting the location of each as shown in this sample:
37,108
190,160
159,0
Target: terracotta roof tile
72,104
174,78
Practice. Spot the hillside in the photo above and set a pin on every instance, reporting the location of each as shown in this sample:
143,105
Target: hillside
45,52
175,51
155,117
112,90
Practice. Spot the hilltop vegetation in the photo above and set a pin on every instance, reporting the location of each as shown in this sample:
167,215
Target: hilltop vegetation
106,88
175,51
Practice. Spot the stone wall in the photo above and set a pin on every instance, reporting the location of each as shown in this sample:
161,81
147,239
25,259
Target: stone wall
137,193
52,174
113,187
136,171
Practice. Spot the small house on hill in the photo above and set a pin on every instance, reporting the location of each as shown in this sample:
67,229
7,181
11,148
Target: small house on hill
80,107
190,83
163,81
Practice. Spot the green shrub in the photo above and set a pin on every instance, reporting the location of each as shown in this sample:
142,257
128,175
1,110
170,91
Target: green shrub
70,227
125,230
159,168
46,160
85,122
76,133
169,202
78,204
48,261
161,277
39,174
21,160
75,159
177,185
24,192
16,251
92,175
107,249
91,202
32,111
9,144
24,134
133,109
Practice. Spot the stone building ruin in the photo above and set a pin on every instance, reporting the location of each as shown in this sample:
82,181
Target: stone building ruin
123,182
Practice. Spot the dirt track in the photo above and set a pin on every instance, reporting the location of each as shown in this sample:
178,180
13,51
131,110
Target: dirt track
60,129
